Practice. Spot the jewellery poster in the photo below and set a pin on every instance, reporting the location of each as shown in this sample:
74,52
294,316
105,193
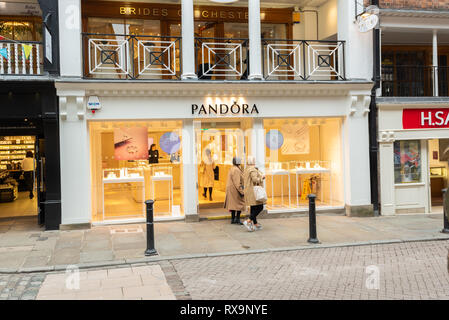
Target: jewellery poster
131,143
296,139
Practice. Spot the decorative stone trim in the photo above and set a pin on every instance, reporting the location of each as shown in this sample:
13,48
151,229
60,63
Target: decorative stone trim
387,137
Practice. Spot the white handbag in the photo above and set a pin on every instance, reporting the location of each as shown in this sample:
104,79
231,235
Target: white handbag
260,194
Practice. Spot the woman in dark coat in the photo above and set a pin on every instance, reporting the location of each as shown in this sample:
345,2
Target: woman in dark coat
153,154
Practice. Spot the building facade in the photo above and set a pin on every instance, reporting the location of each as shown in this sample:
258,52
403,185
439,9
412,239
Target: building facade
29,120
413,105
204,83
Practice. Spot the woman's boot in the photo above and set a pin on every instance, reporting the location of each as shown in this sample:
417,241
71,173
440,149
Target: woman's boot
232,217
237,219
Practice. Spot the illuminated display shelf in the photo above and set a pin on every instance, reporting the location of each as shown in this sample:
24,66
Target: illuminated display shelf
13,150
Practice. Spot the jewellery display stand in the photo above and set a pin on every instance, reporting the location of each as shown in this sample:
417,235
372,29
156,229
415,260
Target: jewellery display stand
278,169
162,173
124,175
300,168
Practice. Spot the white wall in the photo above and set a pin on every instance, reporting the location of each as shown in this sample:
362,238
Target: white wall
359,46
70,38
328,20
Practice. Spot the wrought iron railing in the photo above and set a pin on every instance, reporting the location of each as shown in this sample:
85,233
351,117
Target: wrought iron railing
303,60
20,58
414,81
121,56
220,58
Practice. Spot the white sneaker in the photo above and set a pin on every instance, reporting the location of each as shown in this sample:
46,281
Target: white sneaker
259,227
248,226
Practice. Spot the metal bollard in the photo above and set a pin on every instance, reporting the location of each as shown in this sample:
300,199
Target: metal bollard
150,229
312,219
445,212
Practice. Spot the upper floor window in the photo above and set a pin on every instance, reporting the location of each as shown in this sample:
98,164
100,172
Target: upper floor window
21,28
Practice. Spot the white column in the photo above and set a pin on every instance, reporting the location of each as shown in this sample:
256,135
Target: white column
188,40
255,41
356,156
358,47
189,169
258,143
75,166
435,62
71,58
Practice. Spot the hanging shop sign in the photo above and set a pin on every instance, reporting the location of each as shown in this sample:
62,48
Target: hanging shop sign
425,118
224,109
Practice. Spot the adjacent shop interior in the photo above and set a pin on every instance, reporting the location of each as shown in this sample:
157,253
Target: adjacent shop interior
17,176
123,176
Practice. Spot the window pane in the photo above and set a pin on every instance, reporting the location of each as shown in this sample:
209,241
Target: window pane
407,161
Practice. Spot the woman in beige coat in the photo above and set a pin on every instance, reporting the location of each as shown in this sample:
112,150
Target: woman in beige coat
234,200
252,177
207,174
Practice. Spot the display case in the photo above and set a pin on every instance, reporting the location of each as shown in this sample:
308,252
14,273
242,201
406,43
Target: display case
278,184
123,193
161,181
311,177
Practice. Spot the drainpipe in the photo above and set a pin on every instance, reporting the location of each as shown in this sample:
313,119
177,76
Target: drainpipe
372,119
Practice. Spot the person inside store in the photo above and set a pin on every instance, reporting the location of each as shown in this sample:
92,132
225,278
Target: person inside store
207,167
252,177
28,167
234,200
153,154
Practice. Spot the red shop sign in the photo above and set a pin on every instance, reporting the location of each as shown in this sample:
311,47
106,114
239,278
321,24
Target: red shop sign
425,118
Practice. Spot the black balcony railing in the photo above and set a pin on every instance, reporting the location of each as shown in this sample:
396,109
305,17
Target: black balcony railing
220,58
21,58
116,56
303,60
414,81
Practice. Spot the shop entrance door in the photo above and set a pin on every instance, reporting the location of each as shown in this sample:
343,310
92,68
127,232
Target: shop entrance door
438,177
217,143
19,196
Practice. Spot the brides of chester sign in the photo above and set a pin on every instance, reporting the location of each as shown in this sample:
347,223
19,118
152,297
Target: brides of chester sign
425,118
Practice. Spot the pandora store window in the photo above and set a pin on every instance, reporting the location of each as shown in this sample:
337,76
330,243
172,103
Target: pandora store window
303,156
133,161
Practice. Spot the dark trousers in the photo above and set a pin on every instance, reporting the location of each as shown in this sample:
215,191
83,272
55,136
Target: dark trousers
29,181
255,210
210,192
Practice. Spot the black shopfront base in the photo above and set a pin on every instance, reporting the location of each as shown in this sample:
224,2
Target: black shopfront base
30,108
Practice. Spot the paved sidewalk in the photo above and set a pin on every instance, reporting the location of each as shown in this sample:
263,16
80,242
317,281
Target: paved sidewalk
24,247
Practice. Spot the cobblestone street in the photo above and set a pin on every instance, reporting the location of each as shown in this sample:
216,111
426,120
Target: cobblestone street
413,270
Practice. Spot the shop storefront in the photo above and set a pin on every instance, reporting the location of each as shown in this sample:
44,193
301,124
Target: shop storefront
29,152
414,154
141,144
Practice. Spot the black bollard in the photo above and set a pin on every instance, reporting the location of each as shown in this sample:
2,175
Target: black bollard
445,212
150,229
312,220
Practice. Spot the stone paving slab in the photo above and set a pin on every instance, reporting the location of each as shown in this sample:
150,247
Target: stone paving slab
130,283
32,248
